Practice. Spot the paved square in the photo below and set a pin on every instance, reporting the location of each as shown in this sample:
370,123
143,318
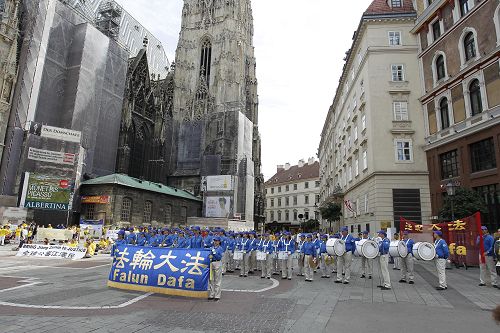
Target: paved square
72,296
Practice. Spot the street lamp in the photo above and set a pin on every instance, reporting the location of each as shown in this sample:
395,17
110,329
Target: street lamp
451,191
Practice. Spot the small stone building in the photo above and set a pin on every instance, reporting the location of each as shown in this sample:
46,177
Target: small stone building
122,200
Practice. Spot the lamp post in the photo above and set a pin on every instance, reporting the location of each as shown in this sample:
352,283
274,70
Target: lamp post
316,213
451,191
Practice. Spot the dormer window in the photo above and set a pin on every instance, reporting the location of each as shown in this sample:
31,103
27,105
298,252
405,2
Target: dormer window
396,3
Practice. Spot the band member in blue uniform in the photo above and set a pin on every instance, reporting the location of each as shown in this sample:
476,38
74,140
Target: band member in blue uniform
287,245
384,245
309,251
344,261
442,254
182,242
215,281
268,249
488,268
196,241
276,245
231,244
366,264
252,259
245,247
407,263
300,254
324,266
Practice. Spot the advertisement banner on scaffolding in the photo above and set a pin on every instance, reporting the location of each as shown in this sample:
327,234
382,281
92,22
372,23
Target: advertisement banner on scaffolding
51,156
61,134
46,192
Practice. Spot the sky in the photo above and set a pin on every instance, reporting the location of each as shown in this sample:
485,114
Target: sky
300,46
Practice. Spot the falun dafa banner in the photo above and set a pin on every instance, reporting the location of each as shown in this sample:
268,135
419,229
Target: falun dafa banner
178,272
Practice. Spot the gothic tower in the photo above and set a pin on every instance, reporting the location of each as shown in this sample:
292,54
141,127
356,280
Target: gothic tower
215,101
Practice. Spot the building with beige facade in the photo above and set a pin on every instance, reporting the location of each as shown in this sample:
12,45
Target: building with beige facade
459,55
292,194
8,62
371,156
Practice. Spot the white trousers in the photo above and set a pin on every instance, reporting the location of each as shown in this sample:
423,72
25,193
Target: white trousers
441,270
366,266
267,266
344,264
488,270
325,269
407,268
384,269
2,240
309,270
215,279
286,267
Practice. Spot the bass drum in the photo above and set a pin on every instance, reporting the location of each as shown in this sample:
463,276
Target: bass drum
398,249
366,248
424,251
335,247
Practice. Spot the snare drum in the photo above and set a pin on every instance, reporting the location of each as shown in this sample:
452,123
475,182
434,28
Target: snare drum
335,247
282,255
238,255
424,251
398,249
261,256
366,248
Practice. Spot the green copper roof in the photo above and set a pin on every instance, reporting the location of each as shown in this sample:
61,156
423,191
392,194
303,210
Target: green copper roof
145,185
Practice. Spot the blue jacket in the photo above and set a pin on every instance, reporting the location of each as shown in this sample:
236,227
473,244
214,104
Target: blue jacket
384,246
350,246
130,238
409,245
254,243
208,241
489,244
244,245
217,253
322,248
442,250
196,242
266,246
309,248
276,245
141,240
231,243
299,246
287,245
183,243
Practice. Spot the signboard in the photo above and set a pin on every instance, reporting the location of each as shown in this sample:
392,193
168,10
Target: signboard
14,213
45,192
178,272
51,156
53,234
219,183
217,206
62,134
51,251
96,199
91,228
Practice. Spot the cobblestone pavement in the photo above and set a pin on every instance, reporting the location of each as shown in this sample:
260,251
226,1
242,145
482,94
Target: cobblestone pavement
61,296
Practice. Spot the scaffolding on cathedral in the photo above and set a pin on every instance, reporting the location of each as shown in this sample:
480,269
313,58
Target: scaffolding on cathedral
108,19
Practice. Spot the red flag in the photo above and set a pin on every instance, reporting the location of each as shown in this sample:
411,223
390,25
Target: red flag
406,225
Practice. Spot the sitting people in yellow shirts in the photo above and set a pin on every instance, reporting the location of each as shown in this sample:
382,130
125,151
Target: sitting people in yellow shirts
91,247
4,231
72,243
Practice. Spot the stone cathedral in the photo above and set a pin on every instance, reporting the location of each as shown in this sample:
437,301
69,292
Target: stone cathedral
202,120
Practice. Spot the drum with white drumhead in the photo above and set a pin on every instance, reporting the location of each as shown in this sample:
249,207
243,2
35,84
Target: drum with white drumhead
238,255
335,247
282,255
424,251
398,249
261,256
366,248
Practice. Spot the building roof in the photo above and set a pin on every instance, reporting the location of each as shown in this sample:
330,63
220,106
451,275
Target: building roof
381,7
124,180
294,174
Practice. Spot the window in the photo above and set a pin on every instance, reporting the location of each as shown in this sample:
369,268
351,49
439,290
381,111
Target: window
272,202
206,60
287,215
287,188
469,46
356,167
306,185
295,200
306,199
272,216
279,189
183,217
306,216
316,199
90,211
272,190
148,205
295,187
436,30
449,164
397,72
126,209
355,133
279,215
403,150
295,215
464,7
397,3
394,38
287,201
443,112
365,160
349,173
483,156
400,111
476,104
363,122
168,214
316,183
440,68
279,202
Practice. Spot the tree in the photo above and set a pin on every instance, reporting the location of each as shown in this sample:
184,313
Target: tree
466,202
311,225
331,211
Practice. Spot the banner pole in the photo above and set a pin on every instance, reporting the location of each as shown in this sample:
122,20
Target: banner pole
477,217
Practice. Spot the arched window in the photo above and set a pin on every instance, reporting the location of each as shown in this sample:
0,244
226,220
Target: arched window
476,104
206,60
469,46
148,206
126,209
444,114
440,68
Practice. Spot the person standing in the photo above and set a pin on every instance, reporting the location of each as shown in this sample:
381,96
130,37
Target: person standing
300,255
196,241
335,257
396,260
324,257
288,246
407,262
245,247
366,264
276,245
215,280
488,268
442,254
267,265
309,251
384,245
345,260
252,265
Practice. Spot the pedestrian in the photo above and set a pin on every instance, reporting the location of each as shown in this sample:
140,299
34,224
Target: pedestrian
366,264
215,281
309,251
300,254
287,246
442,254
267,265
488,267
345,260
384,245
407,262
3,233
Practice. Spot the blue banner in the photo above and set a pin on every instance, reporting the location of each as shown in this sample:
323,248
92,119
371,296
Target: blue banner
178,272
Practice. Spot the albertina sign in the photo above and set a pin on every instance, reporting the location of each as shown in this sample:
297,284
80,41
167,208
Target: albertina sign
45,192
